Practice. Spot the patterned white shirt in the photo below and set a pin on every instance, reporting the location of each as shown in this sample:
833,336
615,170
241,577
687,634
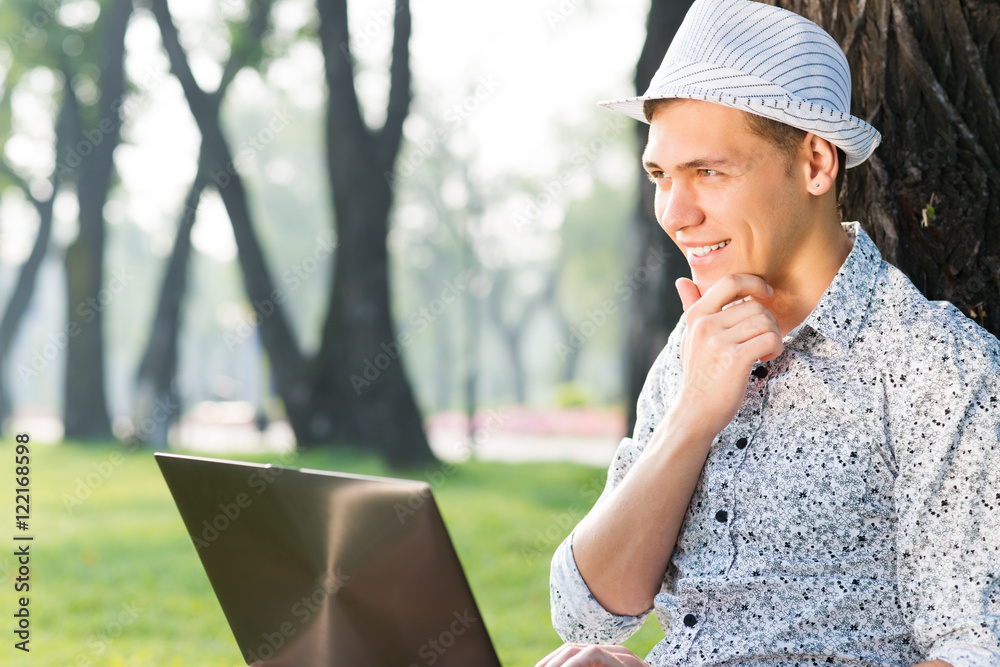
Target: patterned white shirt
850,512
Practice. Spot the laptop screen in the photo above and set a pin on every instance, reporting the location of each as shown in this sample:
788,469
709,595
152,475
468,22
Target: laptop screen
320,568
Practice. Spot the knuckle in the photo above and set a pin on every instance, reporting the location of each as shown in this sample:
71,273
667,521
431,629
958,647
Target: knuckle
763,320
699,328
731,281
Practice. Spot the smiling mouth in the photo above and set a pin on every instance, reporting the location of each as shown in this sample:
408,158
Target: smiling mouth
704,250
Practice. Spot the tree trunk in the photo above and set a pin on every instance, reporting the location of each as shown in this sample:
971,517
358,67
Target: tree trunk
23,289
926,74
218,163
157,402
359,340
510,331
656,306
324,405
86,412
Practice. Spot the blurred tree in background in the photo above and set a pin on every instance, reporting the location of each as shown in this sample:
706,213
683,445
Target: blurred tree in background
321,401
93,93
157,400
657,307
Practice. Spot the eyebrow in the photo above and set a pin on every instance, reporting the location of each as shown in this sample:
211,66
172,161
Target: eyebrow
697,163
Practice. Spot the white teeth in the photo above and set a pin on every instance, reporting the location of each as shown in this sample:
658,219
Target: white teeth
701,252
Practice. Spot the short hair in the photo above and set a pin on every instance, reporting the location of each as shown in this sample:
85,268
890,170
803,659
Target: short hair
785,138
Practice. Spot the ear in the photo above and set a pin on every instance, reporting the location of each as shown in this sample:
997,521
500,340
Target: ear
822,164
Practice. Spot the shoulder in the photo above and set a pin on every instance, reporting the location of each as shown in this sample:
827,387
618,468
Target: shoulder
932,340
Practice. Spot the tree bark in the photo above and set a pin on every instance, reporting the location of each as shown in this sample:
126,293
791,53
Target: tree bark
656,306
358,333
926,74
85,410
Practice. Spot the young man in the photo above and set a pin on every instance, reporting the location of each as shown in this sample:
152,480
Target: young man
814,475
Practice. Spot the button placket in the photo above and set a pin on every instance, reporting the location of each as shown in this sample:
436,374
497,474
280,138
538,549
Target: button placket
746,423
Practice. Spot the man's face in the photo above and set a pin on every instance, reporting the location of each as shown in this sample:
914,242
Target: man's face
729,199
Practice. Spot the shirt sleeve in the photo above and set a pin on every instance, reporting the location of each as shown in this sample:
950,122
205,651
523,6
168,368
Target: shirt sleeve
947,495
577,616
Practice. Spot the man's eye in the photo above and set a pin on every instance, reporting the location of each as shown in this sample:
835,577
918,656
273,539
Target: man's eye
708,172
655,176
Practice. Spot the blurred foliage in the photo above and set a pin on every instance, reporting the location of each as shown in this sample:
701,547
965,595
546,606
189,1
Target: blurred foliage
449,219
572,395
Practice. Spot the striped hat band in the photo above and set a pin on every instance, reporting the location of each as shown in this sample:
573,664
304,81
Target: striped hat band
763,60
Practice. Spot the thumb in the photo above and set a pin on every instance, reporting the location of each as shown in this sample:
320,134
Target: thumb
688,292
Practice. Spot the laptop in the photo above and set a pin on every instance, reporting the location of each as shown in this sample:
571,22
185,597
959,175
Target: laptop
324,568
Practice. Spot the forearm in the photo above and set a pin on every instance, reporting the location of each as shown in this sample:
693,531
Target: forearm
623,546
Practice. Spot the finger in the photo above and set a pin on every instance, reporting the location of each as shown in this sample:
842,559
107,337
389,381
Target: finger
559,656
586,655
734,288
765,347
688,292
596,656
746,311
737,311
750,327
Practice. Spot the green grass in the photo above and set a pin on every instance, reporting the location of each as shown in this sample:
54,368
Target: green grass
115,580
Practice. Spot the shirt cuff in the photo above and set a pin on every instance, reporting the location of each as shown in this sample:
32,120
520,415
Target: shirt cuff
576,614
961,654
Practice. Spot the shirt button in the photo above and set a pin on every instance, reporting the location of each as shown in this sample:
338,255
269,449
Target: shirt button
690,620
722,516
741,443
760,372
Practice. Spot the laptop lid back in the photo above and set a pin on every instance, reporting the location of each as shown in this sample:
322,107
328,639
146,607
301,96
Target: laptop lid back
319,568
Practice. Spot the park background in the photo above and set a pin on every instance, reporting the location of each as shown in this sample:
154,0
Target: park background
329,235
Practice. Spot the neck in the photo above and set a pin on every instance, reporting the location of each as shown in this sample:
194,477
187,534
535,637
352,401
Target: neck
800,287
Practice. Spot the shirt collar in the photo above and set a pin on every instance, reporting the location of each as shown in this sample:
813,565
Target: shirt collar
839,314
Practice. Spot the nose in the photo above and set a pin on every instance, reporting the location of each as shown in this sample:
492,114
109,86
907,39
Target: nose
677,207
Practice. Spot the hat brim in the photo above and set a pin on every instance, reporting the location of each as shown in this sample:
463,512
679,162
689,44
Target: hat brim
854,136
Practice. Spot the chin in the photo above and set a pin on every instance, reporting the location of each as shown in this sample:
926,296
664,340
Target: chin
704,283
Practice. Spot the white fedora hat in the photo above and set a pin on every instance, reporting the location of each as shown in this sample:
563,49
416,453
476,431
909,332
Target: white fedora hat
764,60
